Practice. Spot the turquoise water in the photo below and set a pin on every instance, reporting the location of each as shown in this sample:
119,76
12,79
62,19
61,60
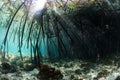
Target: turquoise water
12,45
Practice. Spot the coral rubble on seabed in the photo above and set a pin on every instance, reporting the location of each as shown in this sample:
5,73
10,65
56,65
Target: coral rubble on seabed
12,69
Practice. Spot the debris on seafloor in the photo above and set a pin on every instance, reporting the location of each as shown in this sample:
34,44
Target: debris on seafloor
49,73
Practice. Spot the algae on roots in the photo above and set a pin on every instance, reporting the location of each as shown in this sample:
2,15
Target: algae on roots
65,29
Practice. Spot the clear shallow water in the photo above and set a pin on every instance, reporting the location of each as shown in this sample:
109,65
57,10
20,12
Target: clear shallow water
12,45
75,69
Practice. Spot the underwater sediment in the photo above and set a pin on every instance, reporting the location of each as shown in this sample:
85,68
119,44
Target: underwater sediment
57,31
13,69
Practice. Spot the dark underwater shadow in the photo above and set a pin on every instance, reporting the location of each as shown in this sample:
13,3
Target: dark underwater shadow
88,32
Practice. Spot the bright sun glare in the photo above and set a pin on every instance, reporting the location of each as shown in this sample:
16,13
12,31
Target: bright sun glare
37,5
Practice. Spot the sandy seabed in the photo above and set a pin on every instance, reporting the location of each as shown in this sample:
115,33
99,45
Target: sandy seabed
71,70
